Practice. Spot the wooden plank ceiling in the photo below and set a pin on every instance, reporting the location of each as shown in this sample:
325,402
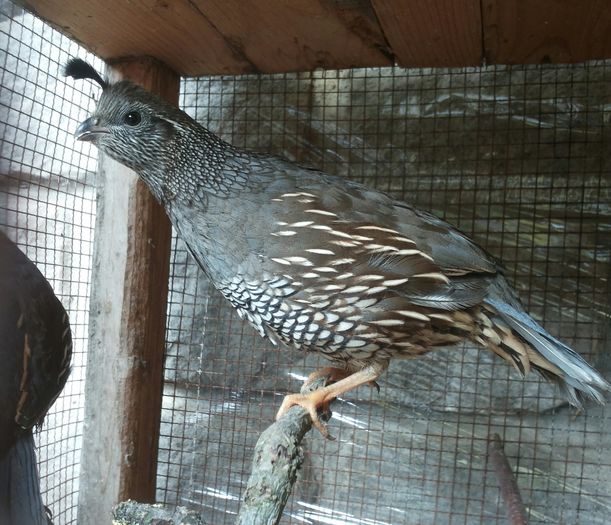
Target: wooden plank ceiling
202,37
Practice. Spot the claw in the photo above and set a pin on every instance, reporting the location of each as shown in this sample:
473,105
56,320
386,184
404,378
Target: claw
319,399
311,402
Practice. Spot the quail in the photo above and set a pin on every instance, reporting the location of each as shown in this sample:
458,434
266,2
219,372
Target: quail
35,350
320,262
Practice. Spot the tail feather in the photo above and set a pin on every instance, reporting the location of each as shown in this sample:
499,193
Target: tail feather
20,498
551,357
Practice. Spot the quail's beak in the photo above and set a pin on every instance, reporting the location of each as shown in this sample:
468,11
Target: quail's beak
90,130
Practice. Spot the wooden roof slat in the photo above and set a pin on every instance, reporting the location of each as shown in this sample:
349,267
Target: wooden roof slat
299,35
559,31
172,31
225,36
432,33
207,37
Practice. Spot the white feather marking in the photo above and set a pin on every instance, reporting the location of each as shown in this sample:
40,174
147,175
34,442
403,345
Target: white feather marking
376,289
320,251
355,343
277,200
299,260
338,233
380,248
366,303
344,309
325,269
395,282
334,287
356,289
279,283
362,238
378,228
408,252
413,315
369,278
331,317
321,227
402,239
324,334
301,224
343,326
321,304
281,261
433,275
388,322
345,244
298,194
321,212
442,317
338,262
305,201
284,233
310,275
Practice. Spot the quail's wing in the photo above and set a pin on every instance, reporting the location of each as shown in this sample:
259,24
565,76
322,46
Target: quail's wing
331,234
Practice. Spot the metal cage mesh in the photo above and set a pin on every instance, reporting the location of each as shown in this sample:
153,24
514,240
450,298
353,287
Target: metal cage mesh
514,156
47,205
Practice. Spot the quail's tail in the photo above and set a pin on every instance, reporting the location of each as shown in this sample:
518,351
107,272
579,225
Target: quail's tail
527,343
20,498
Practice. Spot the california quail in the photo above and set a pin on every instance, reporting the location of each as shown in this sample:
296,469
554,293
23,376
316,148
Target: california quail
320,262
35,351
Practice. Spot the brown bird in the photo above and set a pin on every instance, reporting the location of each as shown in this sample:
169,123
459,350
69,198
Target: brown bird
35,351
320,262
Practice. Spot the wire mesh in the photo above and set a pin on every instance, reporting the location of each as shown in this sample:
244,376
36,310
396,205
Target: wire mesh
47,205
514,156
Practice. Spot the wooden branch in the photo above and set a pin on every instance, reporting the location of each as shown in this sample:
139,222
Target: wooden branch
516,512
134,513
277,458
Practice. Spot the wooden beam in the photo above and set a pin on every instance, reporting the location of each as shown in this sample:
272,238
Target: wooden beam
127,328
197,37
174,32
300,35
432,33
558,31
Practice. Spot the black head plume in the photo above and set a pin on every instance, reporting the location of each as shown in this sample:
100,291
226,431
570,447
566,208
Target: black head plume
79,69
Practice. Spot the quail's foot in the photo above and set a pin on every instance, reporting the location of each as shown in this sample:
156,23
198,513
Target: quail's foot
319,400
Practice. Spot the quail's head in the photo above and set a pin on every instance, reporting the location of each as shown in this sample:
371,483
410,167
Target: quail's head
130,124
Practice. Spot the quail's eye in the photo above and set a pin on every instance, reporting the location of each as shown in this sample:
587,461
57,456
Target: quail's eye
132,118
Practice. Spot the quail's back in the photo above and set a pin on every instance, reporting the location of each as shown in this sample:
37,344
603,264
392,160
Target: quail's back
322,263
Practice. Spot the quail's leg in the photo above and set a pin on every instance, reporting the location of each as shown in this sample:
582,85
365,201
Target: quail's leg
320,399
334,374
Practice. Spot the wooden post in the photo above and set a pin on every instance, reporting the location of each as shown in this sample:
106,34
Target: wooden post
129,291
